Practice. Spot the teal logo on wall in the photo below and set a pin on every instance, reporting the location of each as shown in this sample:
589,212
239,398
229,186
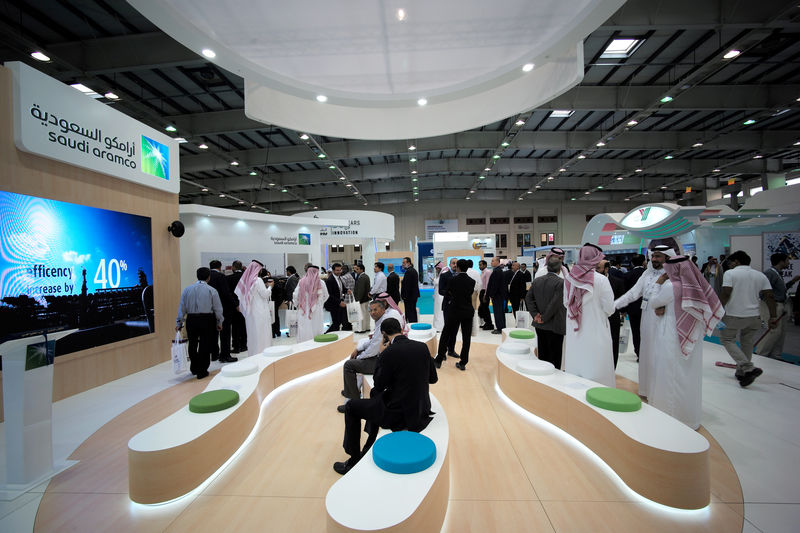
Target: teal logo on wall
155,158
304,238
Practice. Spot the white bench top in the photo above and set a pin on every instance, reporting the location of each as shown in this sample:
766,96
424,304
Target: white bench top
648,425
183,426
368,498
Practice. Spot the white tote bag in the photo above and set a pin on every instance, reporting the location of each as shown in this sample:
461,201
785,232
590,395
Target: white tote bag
271,304
523,316
291,320
180,354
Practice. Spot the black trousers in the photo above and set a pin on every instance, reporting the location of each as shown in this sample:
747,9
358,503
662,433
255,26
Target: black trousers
373,411
456,319
635,316
224,349
238,331
615,322
201,331
338,319
483,311
276,326
550,344
514,299
499,306
411,309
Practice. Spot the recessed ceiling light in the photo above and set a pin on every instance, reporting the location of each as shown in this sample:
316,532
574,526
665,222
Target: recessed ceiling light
528,192
666,99
581,156
414,180
417,199
422,102
413,160
520,122
412,148
203,146
322,98
234,163
504,144
633,122
748,122
241,202
284,190
797,143
271,184
316,207
481,177
496,156
731,54
209,53
304,136
39,56
82,88
645,193
111,96
561,113
487,169
587,192
527,67
599,186
342,178
716,170
253,206
572,198
413,171
620,178
181,140
306,202
415,187
638,170
472,191
757,156
401,14
698,144
222,196
668,157
663,187
600,143
349,185
204,189
170,128
562,169
321,156
355,193
253,173
550,178
621,48
538,186
520,198
332,167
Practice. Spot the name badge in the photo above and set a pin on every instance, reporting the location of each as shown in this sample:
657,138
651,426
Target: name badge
644,303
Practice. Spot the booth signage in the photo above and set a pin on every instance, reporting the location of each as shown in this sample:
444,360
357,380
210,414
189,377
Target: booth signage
360,225
440,226
646,216
786,242
56,121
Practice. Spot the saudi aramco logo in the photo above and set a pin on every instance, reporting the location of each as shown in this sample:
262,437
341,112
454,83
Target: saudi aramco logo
155,158
304,238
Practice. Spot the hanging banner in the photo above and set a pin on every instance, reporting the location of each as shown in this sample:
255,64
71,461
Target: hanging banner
440,226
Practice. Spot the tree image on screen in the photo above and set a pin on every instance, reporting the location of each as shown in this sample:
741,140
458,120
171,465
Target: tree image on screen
65,266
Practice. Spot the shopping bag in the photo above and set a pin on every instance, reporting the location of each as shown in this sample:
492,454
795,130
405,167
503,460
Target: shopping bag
354,315
291,320
523,317
180,354
271,304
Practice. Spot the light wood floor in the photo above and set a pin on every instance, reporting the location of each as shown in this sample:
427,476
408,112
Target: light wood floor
507,473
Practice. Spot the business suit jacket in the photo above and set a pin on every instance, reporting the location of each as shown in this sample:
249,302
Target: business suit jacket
546,297
402,375
219,281
409,290
459,292
291,285
361,289
631,277
497,285
517,285
393,286
334,295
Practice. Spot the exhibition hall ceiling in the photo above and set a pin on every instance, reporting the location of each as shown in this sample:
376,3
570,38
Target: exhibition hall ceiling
665,104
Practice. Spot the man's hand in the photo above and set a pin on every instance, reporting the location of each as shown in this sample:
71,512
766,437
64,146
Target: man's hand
773,323
538,318
219,328
660,310
342,304
354,354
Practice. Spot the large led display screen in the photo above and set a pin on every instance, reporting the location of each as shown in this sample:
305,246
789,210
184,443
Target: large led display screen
70,267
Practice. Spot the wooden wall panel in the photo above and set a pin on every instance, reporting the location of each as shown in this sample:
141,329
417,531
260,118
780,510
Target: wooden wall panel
25,173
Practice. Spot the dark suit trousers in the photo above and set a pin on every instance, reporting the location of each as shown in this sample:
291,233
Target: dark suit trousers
514,299
483,309
201,330
338,319
238,331
456,319
411,309
635,316
615,323
499,306
373,411
224,350
550,344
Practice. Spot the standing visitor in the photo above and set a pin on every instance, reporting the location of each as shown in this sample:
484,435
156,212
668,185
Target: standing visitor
202,310
254,298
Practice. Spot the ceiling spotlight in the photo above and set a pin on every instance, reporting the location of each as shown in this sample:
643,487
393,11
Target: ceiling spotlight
39,56
170,128
415,188
111,96
306,202
234,163
204,189
645,193
528,192
666,99
349,185
731,54
496,156
572,198
332,167
757,156
620,178
253,173
316,207
413,160
342,178
481,177
471,191
203,146
638,170
413,171
669,156
414,180
588,192
520,198
581,156
355,193
412,148
633,122
321,156
422,101
527,67
83,88
538,186
797,143
241,202
181,140
600,143
519,123
748,122
417,199
562,169
304,136
716,170
271,184
599,186
284,190
401,14
253,206
222,196
663,187
209,53
550,178
504,144
322,98
698,144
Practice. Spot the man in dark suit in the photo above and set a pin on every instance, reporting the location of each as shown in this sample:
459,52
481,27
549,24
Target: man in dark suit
335,303
615,318
238,327
523,269
483,305
218,281
507,275
400,399
634,310
460,314
361,294
292,279
393,284
496,292
516,287
444,284
615,271
545,301
409,291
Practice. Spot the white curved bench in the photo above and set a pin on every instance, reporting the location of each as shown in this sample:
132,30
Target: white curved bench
655,455
175,455
428,336
370,499
505,337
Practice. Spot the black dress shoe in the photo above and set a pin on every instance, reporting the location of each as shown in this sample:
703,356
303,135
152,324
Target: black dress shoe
454,355
202,375
341,408
488,327
497,331
344,467
438,362
461,366
749,377
343,394
229,360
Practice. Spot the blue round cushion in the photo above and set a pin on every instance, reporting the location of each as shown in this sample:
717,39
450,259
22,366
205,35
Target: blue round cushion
420,325
404,452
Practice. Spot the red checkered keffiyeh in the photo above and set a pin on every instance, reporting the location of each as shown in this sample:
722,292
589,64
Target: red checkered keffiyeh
580,279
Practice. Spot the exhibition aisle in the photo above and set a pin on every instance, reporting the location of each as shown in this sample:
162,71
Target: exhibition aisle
526,478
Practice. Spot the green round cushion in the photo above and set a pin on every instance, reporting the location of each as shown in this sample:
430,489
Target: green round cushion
326,337
521,334
613,399
213,401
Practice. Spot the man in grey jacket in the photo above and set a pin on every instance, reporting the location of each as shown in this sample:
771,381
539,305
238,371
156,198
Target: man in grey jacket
545,301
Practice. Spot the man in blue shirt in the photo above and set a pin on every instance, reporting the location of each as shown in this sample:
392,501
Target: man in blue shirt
202,308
